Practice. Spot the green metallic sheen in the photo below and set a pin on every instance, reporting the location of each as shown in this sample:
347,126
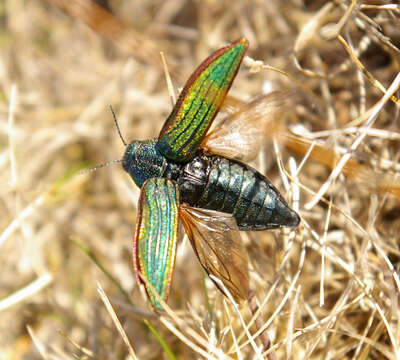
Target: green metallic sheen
222,173
156,235
199,103
142,160
238,189
235,184
173,170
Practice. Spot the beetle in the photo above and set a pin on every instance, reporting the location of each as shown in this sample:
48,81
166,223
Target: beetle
199,177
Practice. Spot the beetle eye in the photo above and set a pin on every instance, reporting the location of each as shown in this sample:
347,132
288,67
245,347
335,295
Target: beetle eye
126,158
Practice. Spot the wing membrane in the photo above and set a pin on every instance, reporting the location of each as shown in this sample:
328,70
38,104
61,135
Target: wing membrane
154,246
217,243
199,102
242,133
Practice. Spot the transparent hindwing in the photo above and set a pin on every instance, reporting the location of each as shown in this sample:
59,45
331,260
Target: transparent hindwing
247,127
217,243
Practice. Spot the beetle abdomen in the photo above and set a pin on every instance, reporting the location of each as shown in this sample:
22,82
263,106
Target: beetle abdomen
236,188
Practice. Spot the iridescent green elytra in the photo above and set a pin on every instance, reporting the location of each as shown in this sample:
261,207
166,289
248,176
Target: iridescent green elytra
175,175
199,103
156,234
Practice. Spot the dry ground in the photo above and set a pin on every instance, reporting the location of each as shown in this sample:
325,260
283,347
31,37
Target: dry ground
330,290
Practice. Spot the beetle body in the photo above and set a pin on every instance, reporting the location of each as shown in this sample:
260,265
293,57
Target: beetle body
184,178
214,182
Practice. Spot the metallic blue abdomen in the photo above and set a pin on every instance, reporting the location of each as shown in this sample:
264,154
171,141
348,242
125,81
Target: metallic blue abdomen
216,183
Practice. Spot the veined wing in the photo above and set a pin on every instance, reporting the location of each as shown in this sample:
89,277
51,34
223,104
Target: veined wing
217,243
199,102
154,246
242,133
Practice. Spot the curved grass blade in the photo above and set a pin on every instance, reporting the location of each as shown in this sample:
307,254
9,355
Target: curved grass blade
156,235
216,241
199,102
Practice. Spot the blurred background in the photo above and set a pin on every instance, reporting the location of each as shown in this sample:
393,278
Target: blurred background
330,289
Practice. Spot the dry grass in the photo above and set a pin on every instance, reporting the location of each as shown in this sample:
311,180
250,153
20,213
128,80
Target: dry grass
328,290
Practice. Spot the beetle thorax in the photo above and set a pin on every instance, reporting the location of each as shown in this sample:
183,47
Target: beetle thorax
142,160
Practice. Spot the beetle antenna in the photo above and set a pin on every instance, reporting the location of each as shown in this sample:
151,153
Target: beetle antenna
107,163
116,124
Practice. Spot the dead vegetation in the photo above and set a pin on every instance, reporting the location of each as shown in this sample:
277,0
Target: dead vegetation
328,290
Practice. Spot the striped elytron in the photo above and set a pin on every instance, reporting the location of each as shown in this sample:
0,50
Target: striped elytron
182,178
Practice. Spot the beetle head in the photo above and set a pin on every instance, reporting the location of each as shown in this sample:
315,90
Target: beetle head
143,161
